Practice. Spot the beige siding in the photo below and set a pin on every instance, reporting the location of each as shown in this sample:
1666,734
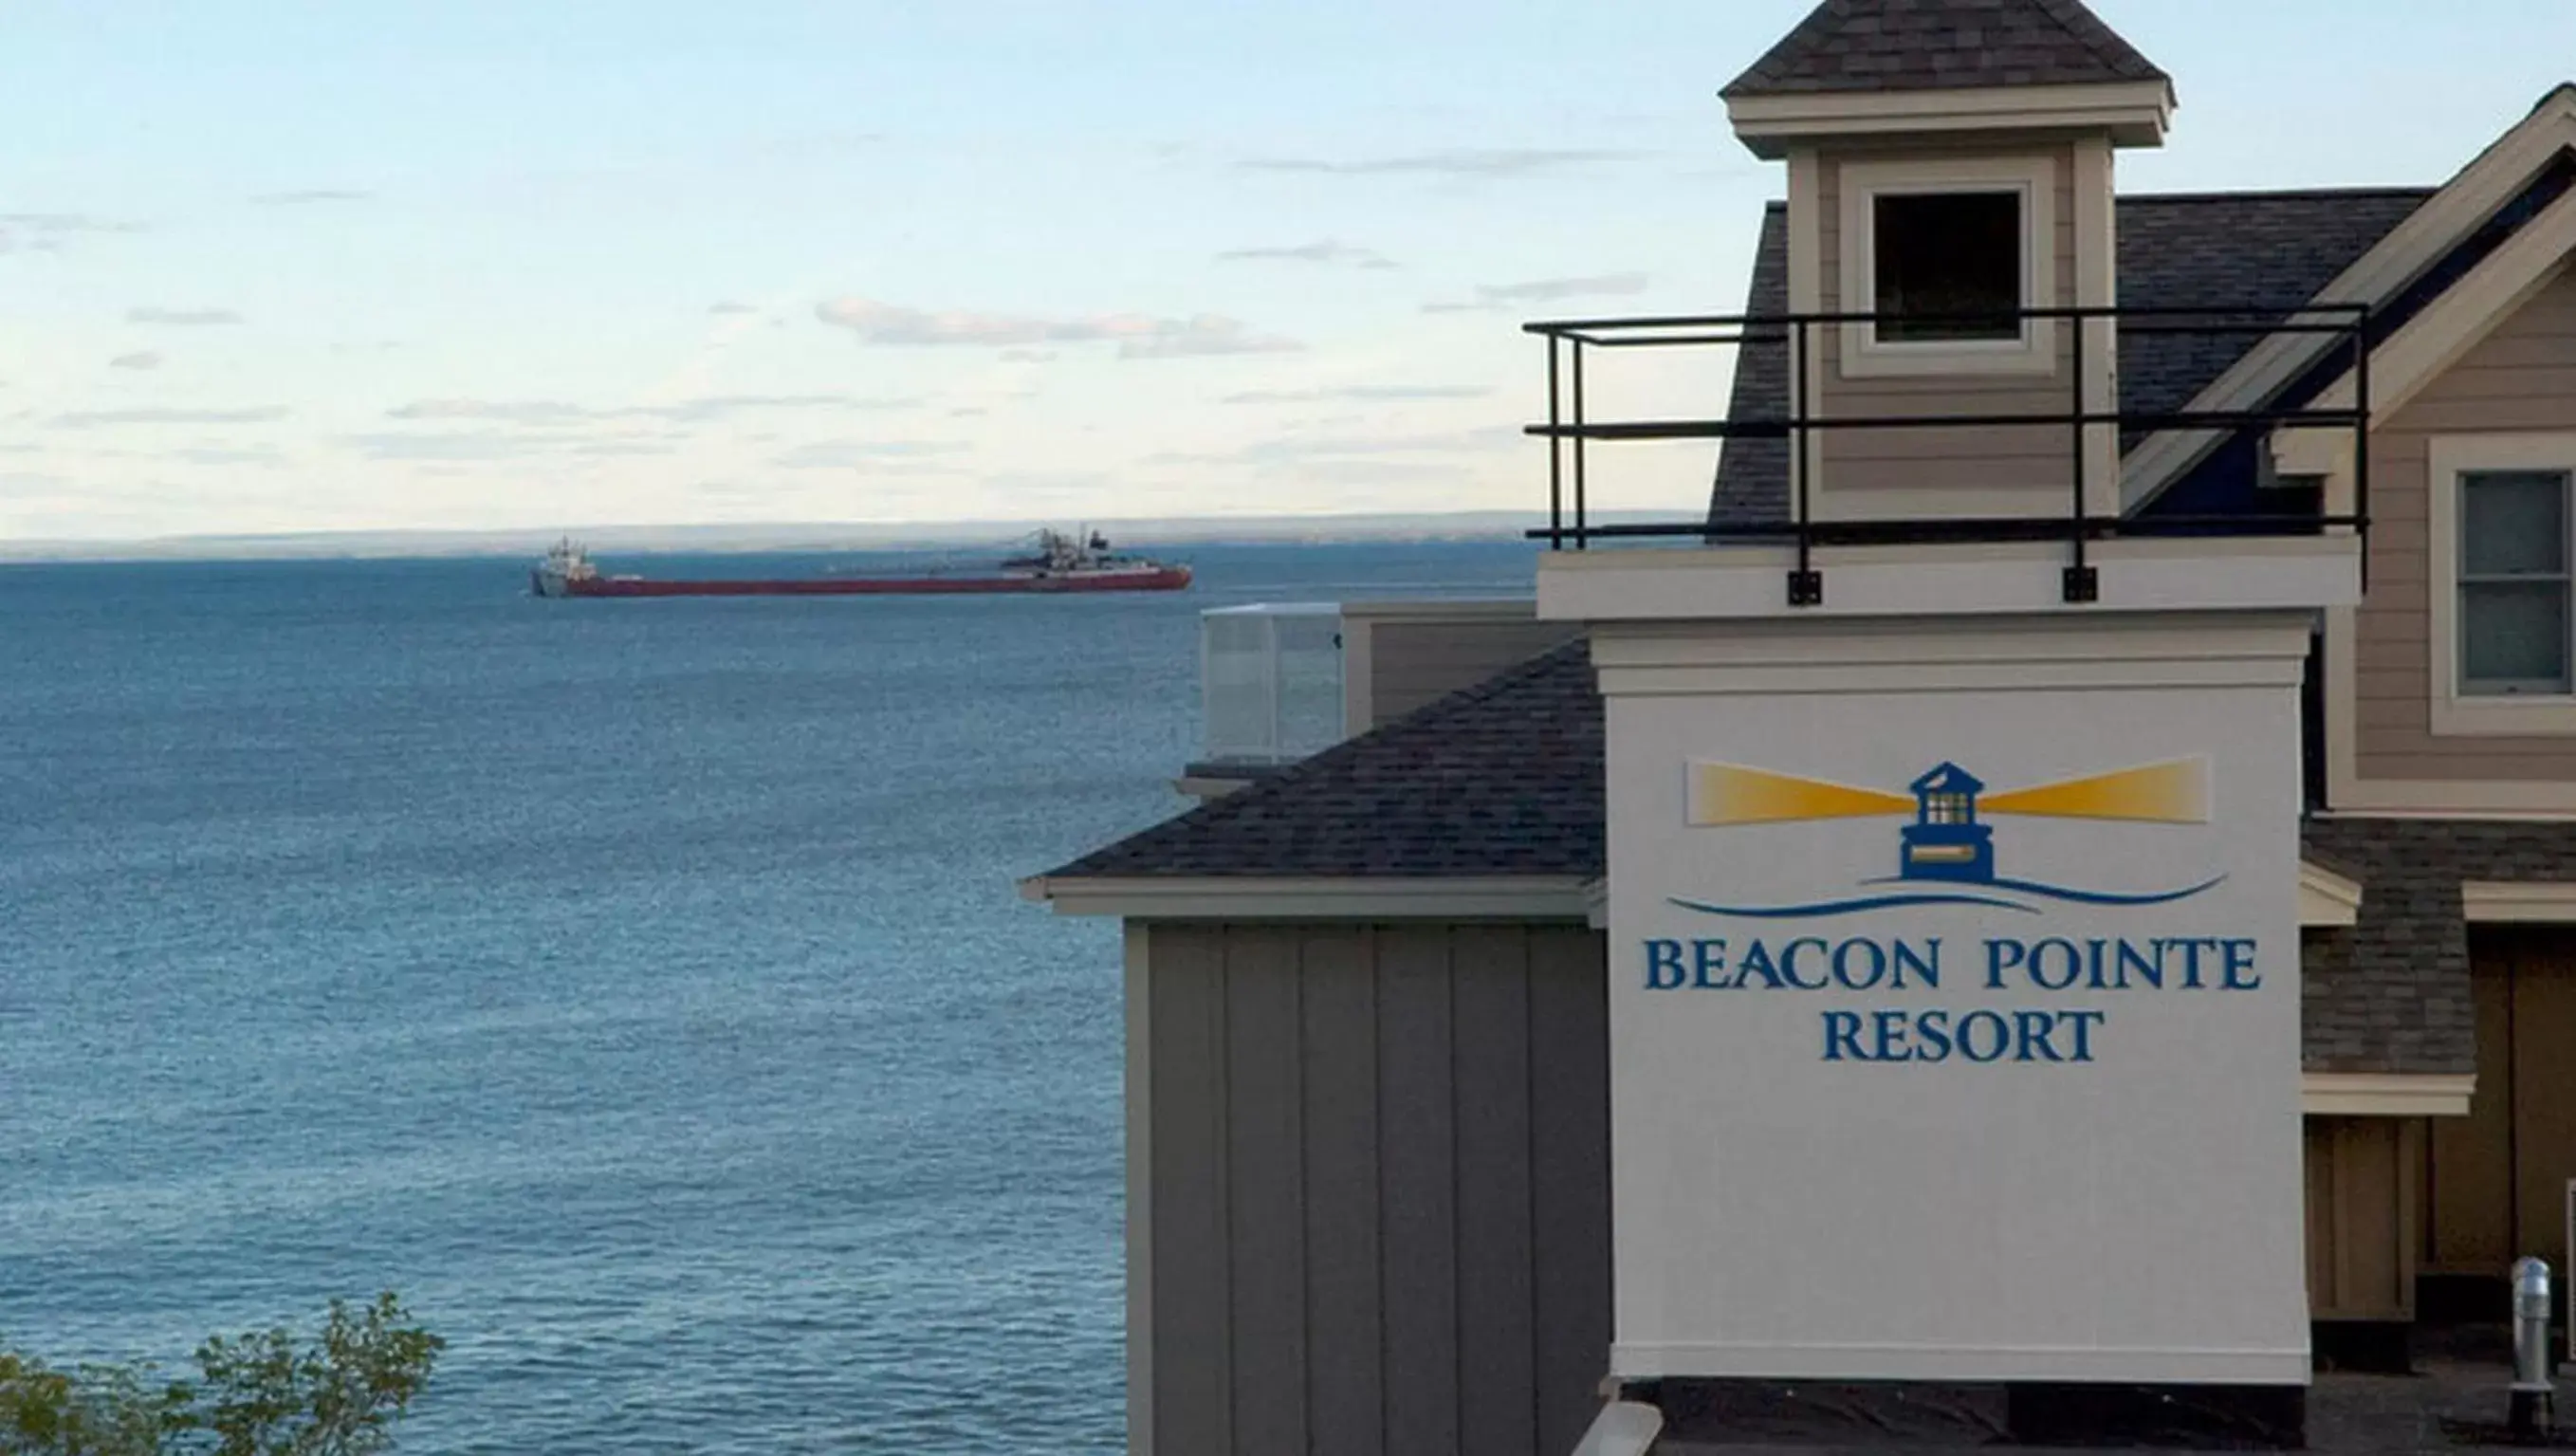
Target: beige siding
1944,459
1378,1197
2361,1174
2521,379
1414,663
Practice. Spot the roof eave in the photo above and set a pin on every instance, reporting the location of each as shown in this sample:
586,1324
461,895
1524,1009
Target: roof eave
2134,113
1495,897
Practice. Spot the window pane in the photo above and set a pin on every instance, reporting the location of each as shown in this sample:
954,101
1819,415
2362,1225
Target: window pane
2513,637
1956,254
2513,523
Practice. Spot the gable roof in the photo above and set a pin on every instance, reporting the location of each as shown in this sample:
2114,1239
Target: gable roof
2266,252
1504,778
1940,45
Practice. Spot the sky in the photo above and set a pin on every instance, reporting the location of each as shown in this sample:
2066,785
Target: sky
283,265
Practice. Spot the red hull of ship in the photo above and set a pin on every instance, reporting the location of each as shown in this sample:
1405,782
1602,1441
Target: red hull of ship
1170,578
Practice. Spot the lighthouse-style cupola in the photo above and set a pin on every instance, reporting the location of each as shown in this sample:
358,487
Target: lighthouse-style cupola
1950,215
1945,841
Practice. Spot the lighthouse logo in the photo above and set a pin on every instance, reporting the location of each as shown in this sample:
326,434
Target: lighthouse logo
1947,855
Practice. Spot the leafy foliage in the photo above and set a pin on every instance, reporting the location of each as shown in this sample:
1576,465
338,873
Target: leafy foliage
256,1394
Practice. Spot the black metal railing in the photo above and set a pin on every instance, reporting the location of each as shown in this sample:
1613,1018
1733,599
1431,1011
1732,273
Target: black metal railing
1570,430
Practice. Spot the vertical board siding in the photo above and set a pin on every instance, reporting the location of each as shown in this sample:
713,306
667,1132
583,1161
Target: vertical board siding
2361,1197
1381,1182
1570,1152
1339,1037
2520,379
1415,663
2472,1160
1192,1399
1265,1191
1497,1368
2544,1074
1418,1180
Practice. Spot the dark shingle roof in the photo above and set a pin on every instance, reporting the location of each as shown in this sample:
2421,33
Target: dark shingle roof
2264,252
1939,45
1501,779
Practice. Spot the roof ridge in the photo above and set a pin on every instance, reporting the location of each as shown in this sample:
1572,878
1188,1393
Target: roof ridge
1937,45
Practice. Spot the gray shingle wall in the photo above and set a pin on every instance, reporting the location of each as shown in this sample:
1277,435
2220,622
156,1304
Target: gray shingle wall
2392,994
1938,45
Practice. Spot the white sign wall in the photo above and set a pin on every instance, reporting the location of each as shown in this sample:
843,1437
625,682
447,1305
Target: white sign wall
1955,1017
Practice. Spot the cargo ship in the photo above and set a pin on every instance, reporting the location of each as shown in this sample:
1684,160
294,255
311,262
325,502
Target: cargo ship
1060,563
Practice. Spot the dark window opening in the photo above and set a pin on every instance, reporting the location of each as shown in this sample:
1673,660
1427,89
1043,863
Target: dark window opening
1948,266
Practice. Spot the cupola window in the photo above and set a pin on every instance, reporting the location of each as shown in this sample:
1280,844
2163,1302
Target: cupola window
1948,266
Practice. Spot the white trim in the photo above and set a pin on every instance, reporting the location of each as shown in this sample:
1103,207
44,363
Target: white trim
2326,899
2414,245
2502,800
2097,347
2501,902
1806,296
1551,898
2404,366
2131,113
2018,579
1858,186
1647,1360
2455,714
2385,1094
1140,1190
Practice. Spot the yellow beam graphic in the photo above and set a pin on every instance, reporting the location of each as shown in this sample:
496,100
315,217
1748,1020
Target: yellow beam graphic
1726,793
2160,793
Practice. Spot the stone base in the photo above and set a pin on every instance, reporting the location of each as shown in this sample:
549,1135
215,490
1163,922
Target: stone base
1840,1414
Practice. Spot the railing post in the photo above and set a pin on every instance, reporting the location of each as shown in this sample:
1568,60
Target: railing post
2083,582
1806,584
2361,438
1555,454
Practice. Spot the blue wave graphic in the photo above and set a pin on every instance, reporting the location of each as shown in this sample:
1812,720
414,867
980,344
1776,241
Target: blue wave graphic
1849,907
2086,897
1947,897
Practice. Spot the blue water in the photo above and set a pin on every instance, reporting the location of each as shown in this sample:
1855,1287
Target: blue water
640,988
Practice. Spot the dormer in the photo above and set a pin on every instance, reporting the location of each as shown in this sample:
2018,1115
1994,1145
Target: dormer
1950,201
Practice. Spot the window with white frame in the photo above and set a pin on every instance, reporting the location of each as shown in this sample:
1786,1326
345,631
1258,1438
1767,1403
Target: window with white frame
2514,602
1948,255
1947,266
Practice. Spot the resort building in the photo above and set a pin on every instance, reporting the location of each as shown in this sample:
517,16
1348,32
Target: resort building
2063,879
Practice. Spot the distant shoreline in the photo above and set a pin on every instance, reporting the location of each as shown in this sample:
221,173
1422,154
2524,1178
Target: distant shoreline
795,536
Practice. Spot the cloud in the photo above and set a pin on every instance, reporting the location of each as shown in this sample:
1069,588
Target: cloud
1302,449
1471,162
1138,336
48,232
548,412
1326,252
93,419
849,454
140,359
730,307
1491,297
1028,356
225,455
469,445
182,317
1361,393
310,195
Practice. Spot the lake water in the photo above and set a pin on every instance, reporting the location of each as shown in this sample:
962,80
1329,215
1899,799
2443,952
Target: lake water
640,988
